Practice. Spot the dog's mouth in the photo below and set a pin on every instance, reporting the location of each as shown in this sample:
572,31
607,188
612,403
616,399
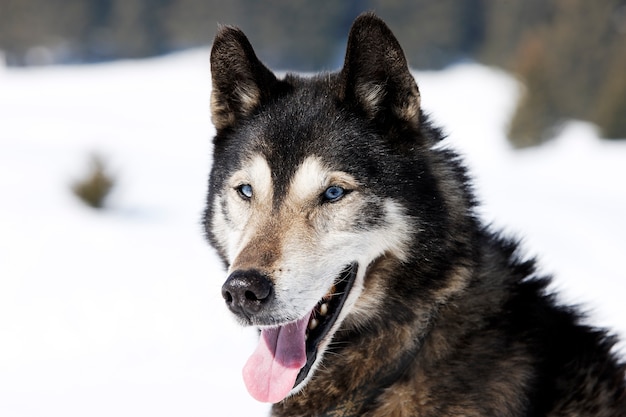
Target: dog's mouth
324,316
286,354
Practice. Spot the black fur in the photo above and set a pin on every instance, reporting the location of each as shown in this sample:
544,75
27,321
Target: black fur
485,335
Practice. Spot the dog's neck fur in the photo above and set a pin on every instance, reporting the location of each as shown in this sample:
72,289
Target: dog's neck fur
340,388
334,388
358,401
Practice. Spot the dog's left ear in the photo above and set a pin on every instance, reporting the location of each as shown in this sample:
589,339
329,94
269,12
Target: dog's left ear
240,80
375,75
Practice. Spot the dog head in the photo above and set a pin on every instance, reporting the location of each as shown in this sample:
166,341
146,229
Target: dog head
314,181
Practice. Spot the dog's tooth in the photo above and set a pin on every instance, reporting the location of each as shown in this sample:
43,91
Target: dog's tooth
313,324
324,309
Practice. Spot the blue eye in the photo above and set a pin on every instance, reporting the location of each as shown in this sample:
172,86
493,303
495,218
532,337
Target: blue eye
245,191
333,193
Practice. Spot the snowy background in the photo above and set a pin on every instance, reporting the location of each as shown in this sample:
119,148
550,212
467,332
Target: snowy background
119,313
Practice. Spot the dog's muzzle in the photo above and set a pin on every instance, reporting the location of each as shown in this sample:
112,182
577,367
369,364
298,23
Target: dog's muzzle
287,350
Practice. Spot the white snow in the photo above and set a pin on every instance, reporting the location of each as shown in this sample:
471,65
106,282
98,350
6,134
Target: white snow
119,313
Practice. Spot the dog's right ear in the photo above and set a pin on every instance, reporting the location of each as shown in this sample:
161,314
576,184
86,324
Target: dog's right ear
240,80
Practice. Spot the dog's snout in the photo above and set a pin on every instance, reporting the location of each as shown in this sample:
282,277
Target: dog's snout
246,292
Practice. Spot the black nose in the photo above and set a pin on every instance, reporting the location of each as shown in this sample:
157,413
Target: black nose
247,292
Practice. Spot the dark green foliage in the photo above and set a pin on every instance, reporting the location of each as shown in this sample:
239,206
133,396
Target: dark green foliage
96,185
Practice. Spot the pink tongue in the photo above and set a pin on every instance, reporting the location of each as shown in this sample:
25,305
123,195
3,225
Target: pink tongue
273,368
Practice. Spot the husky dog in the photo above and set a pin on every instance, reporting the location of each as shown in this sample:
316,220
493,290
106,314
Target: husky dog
351,242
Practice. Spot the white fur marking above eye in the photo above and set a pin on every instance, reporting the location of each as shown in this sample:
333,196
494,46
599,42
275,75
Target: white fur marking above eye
313,177
256,173
308,180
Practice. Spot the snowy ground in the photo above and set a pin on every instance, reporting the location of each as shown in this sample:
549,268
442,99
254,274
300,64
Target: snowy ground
118,313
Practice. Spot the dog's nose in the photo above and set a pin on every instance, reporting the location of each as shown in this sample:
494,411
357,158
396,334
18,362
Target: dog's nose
246,292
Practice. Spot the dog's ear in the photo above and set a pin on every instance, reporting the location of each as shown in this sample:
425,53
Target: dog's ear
240,80
375,75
